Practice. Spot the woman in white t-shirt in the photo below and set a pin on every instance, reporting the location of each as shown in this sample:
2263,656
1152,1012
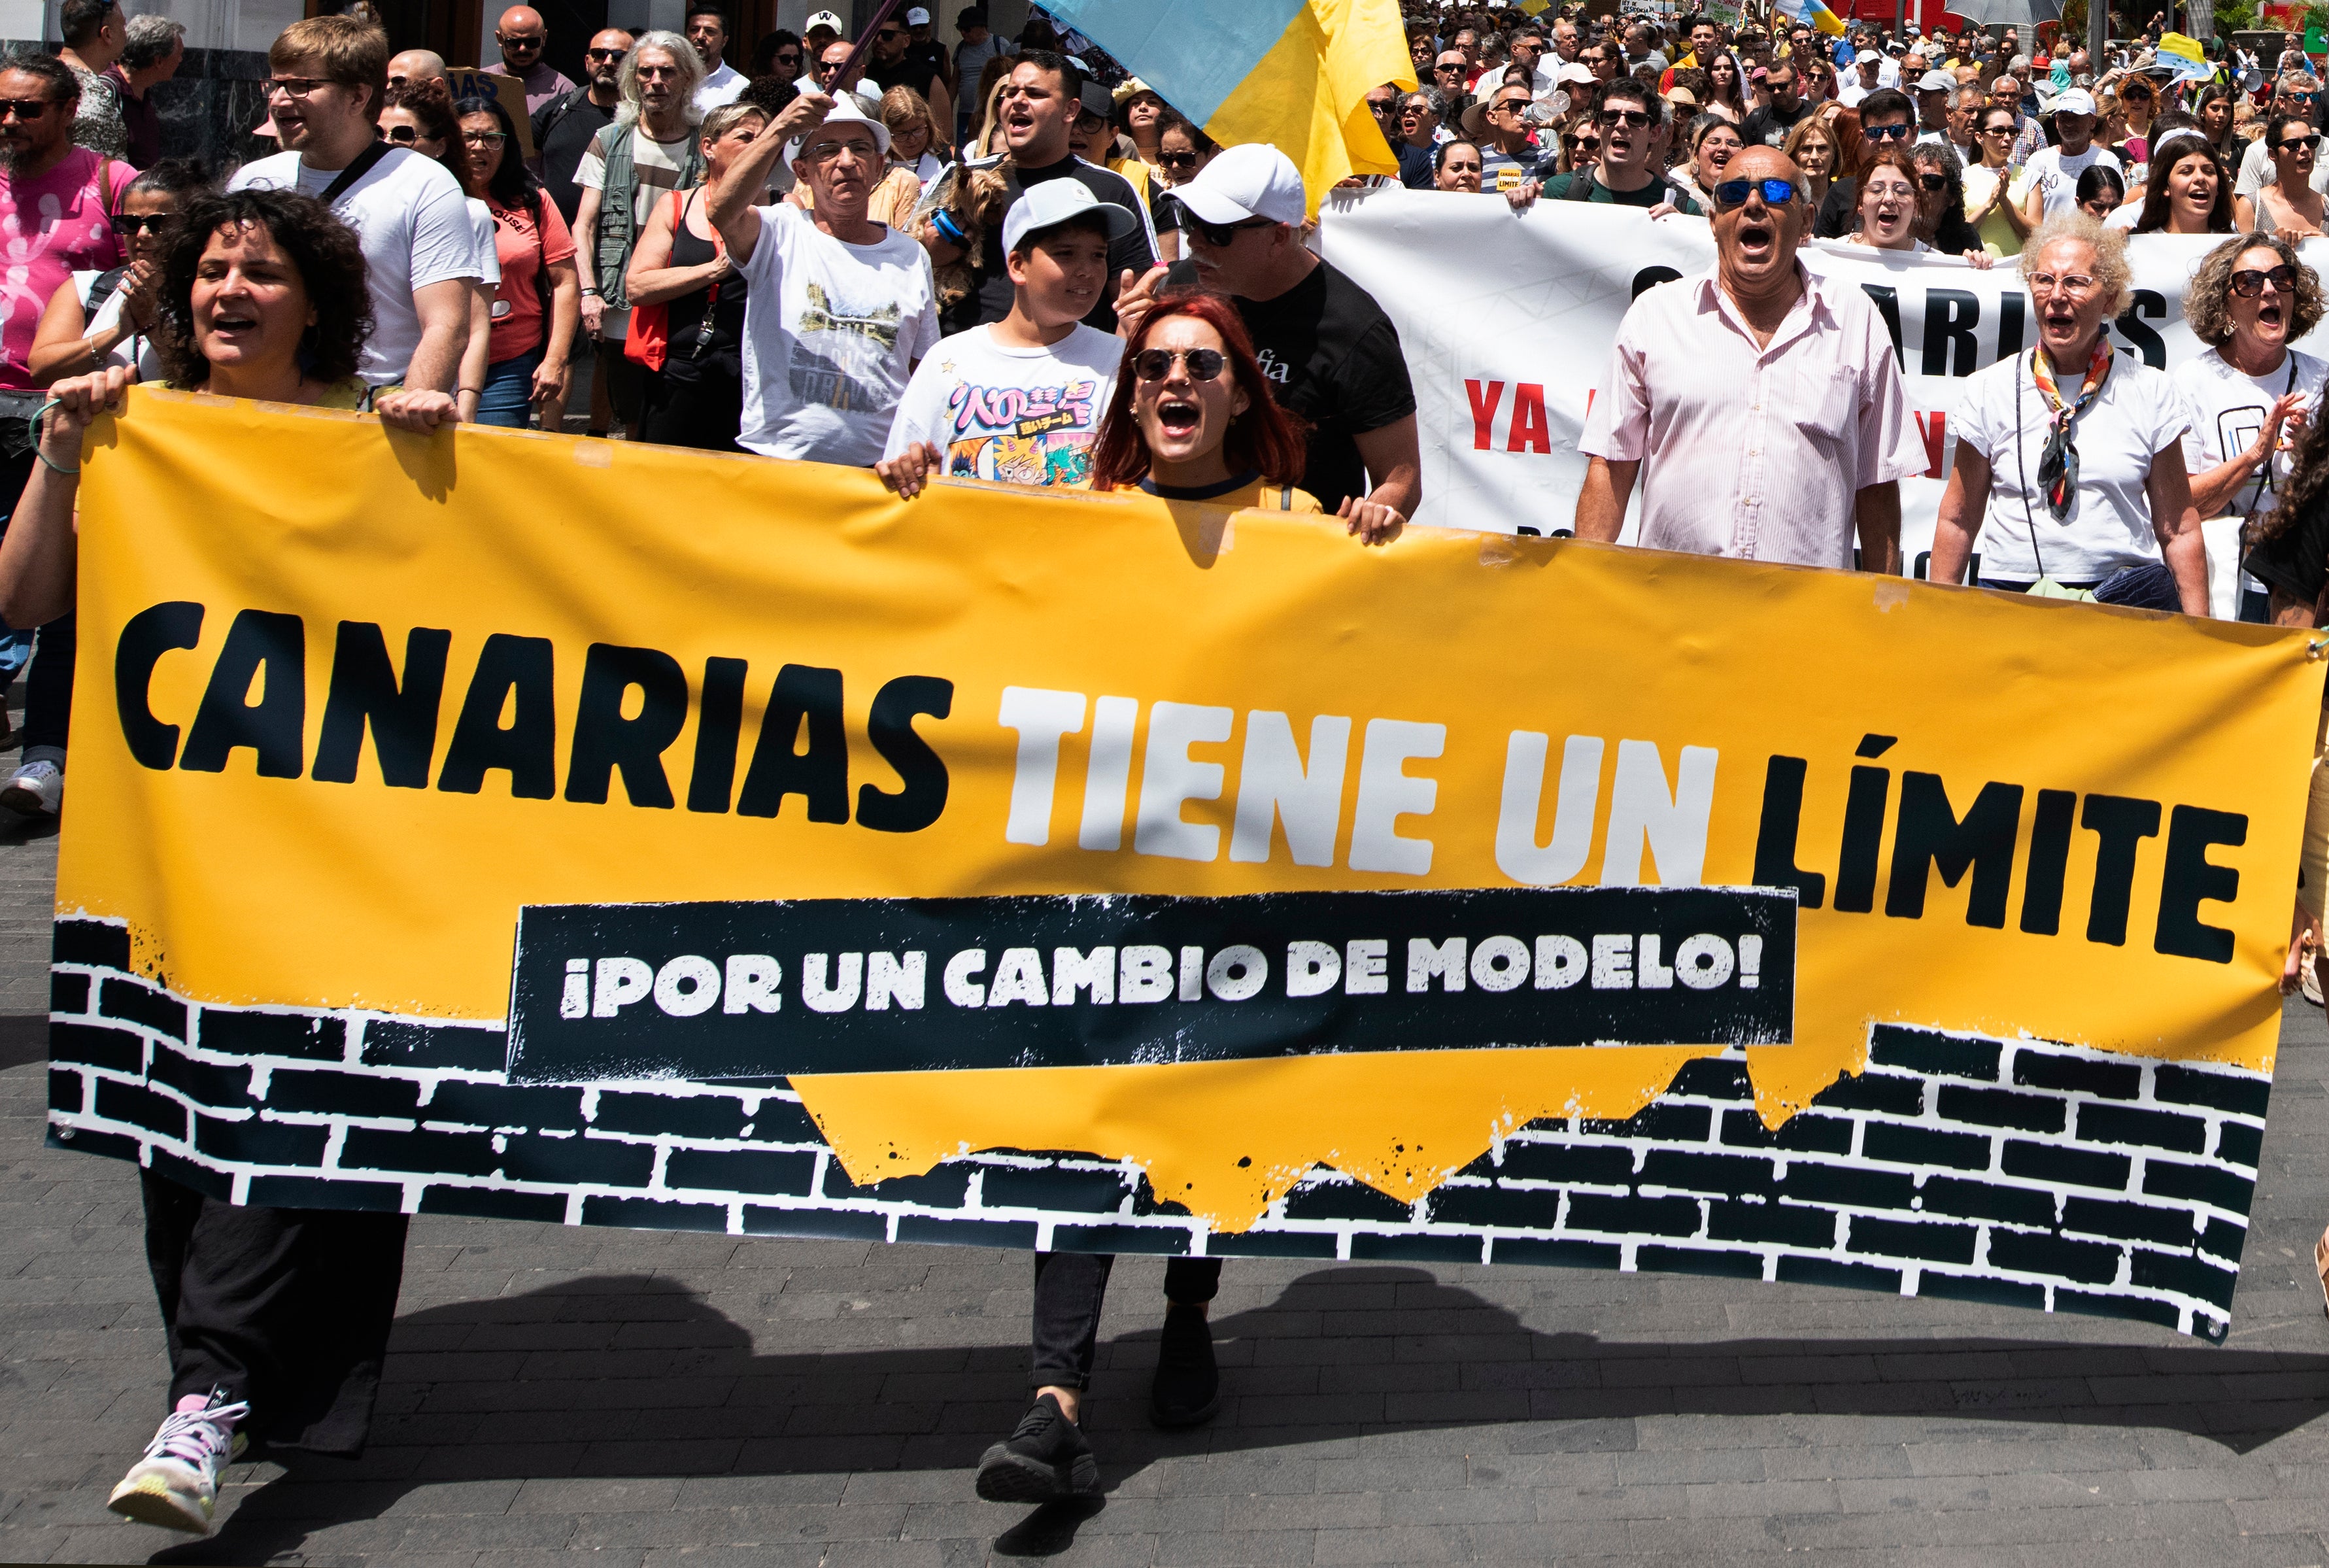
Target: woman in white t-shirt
2076,446
96,320
2250,392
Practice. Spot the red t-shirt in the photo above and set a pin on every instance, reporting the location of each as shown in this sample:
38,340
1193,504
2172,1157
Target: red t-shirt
522,254
50,228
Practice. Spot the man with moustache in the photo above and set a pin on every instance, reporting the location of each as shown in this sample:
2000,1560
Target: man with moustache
1765,404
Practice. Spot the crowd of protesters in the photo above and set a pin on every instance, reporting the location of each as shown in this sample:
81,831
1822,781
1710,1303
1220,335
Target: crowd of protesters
1013,262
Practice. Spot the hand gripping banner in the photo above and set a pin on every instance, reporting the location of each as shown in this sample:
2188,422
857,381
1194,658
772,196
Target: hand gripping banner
504,824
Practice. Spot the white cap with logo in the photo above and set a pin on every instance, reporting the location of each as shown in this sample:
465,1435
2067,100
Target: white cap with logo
917,17
2077,100
828,20
847,109
1869,57
1250,180
1053,201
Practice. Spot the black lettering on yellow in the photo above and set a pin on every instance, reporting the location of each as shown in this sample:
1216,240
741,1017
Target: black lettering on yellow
1775,838
2190,880
891,727
2050,856
515,672
146,636
719,721
2120,824
804,697
271,647
1931,836
365,691
605,740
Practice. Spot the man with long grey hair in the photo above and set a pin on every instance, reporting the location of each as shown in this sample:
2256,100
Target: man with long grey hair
649,149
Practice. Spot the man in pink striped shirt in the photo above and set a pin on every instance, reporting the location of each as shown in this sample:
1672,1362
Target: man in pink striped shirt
1759,409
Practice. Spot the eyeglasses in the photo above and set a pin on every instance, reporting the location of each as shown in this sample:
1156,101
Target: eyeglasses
1176,160
483,138
22,107
519,43
2289,142
1383,106
2248,283
1446,70
130,225
614,53
294,86
1156,363
1732,194
2075,284
1220,234
1635,117
404,135
1884,132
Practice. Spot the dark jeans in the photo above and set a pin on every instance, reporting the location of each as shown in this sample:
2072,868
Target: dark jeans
616,385
48,690
1069,1289
289,1308
697,403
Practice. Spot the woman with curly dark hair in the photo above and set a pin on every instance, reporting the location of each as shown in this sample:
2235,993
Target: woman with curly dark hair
263,298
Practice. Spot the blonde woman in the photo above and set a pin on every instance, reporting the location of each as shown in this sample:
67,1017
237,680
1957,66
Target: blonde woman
1812,146
915,142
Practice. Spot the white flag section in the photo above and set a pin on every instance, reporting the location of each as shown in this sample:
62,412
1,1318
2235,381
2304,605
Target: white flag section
1506,321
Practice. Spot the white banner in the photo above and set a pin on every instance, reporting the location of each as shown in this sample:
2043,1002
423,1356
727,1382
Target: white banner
1506,321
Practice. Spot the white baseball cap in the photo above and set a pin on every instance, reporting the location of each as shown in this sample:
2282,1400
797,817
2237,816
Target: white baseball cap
1053,201
1574,71
917,17
1868,57
847,109
2077,100
825,19
1936,81
1250,180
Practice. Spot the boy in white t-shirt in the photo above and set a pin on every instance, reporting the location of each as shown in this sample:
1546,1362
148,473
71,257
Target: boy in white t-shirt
1020,400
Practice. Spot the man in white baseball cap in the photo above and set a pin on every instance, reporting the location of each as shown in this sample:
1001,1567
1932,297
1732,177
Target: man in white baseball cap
1019,401
2052,173
1327,347
1865,81
838,309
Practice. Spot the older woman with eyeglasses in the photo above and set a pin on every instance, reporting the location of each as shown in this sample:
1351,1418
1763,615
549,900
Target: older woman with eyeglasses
2288,205
2078,448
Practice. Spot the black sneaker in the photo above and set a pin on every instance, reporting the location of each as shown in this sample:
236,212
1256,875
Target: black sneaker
1045,1460
1188,1386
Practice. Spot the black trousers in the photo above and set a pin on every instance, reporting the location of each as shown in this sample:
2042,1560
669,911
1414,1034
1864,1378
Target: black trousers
1069,1289
48,686
697,403
289,1308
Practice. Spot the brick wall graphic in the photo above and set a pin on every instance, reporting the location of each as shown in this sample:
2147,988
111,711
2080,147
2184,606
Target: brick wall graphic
2060,1178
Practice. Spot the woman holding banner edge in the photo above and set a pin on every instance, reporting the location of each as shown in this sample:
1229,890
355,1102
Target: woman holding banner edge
277,1319
2081,445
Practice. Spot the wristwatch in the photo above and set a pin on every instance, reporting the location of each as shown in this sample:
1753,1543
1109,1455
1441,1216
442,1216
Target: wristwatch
591,293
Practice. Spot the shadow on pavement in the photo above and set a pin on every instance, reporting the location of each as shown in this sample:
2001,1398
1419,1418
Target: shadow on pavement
633,1375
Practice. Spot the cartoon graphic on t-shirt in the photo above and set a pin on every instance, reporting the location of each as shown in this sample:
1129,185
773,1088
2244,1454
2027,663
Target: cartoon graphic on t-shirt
1040,435
838,343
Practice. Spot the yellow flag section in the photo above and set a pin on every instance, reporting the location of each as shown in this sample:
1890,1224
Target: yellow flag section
2002,815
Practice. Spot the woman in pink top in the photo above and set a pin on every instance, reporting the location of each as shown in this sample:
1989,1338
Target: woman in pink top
540,302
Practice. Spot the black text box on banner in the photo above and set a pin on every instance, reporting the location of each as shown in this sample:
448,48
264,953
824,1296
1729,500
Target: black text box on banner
733,990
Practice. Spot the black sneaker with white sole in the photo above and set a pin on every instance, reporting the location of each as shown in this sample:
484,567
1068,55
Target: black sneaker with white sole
1043,1461
1188,1385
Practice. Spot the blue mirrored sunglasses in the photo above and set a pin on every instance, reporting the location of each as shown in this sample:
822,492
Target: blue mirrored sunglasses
1732,194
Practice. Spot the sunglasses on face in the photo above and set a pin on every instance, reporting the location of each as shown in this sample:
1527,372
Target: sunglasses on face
1934,181
1156,363
1732,194
130,225
404,135
1513,106
1585,144
518,43
888,34
1638,118
1884,132
1176,160
615,54
2248,283
1222,234
2291,144
1382,106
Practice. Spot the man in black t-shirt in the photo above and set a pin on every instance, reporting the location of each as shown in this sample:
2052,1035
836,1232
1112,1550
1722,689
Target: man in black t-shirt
1038,106
563,126
1769,125
893,65
1330,351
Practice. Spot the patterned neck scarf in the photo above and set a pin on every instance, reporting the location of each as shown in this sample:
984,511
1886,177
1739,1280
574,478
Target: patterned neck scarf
2058,465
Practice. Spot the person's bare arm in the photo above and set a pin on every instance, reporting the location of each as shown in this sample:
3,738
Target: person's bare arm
2033,205
586,261
2212,491
1876,516
738,191
1394,460
2177,524
40,552
62,345
2243,215
444,310
565,299
2286,610
652,279
478,358
1601,504
1964,503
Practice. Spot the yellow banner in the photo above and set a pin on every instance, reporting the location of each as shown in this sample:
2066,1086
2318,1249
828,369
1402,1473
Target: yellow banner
2006,817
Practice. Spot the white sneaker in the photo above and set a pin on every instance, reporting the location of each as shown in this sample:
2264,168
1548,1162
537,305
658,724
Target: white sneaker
34,790
175,1485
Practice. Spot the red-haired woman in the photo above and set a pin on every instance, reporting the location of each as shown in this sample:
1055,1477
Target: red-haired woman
1193,419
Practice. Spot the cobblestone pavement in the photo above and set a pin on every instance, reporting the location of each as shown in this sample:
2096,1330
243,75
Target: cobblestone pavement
620,1399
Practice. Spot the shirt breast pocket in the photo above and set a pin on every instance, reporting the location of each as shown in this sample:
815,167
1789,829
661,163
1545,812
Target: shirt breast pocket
1826,401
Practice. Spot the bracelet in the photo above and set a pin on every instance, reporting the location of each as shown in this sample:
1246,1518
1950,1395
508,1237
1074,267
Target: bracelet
33,424
589,294
478,390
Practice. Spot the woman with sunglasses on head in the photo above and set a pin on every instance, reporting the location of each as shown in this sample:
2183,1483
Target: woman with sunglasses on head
419,116
2186,190
1993,200
537,306
96,320
2287,205
2073,451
